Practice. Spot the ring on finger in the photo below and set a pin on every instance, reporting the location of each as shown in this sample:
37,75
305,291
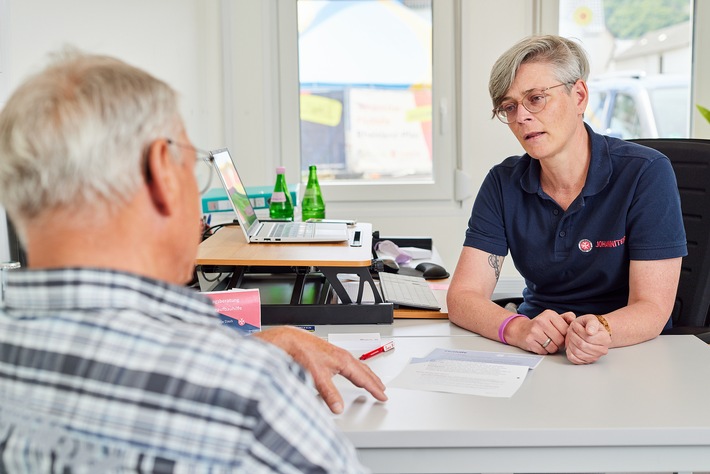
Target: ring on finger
546,343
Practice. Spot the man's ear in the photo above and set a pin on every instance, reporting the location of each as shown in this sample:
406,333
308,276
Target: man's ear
161,178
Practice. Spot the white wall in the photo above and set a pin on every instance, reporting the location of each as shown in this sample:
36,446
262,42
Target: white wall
176,40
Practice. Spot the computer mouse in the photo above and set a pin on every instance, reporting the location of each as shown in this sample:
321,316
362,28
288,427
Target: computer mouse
432,271
390,265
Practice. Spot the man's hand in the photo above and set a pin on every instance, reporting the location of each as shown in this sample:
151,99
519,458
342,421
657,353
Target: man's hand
324,360
587,340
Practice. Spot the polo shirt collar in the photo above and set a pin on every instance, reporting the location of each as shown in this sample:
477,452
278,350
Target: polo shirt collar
48,291
598,175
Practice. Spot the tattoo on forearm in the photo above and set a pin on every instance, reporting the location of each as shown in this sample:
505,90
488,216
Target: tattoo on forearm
494,262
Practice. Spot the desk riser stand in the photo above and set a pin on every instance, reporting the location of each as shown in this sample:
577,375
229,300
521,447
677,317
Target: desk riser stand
322,312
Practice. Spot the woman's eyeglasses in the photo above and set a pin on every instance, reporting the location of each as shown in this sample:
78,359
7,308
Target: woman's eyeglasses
534,101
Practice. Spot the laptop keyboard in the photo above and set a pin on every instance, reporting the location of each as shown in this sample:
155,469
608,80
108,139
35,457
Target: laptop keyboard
293,229
407,290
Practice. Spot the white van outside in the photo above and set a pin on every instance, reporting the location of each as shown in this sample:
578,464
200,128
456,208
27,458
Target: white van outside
631,105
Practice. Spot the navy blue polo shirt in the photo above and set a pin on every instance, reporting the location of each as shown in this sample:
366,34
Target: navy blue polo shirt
578,260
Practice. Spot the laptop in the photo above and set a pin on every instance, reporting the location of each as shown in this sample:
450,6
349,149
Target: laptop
257,231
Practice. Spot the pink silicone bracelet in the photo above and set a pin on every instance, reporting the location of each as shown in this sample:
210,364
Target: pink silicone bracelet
505,322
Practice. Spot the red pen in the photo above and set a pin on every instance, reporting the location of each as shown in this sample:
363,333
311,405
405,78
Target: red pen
387,347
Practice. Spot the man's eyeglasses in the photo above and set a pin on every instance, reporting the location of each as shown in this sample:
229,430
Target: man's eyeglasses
202,157
201,154
534,101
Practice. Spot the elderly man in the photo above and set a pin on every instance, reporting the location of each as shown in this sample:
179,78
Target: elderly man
108,363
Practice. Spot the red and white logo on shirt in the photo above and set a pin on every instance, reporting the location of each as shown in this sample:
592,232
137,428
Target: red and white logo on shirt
585,245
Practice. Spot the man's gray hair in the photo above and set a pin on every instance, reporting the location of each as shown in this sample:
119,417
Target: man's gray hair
75,135
567,58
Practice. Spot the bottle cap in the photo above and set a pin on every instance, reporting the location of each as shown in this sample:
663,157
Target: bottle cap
280,170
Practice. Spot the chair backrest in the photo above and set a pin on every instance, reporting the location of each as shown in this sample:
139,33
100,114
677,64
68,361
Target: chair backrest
690,159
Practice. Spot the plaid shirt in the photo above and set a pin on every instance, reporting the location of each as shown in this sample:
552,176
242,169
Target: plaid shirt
103,371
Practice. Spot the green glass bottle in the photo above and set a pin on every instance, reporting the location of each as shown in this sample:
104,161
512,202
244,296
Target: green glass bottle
312,206
281,206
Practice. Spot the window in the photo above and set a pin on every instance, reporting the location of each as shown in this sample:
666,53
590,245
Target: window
666,102
375,96
365,89
641,64
596,109
625,120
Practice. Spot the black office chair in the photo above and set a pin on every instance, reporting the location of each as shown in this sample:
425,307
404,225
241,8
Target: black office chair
690,159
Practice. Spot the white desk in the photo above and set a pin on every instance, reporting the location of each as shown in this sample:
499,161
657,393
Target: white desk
400,328
640,409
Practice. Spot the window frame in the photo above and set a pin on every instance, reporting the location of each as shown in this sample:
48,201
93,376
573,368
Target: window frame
444,105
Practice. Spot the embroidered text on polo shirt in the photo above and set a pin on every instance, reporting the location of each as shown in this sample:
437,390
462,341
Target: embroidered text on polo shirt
611,243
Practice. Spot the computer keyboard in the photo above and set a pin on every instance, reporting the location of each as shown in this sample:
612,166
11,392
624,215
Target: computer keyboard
407,290
293,229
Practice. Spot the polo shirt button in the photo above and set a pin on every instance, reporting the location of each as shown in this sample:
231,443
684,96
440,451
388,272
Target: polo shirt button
563,233
556,211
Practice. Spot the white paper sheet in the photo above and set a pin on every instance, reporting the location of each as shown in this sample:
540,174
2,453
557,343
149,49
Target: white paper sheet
356,343
489,374
528,360
465,377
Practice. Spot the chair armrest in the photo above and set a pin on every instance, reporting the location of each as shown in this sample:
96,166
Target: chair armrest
504,302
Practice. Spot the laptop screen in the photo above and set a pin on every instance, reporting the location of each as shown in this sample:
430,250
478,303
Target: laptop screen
234,188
